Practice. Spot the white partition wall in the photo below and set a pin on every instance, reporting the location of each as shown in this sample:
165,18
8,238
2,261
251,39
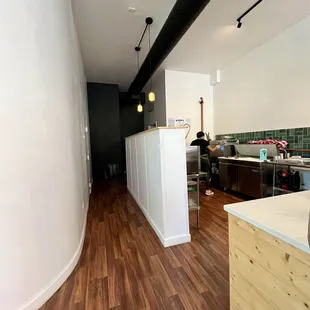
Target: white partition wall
156,178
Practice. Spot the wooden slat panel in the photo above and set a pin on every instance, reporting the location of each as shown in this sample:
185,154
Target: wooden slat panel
237,302
282,295
281,264
281,245
254,298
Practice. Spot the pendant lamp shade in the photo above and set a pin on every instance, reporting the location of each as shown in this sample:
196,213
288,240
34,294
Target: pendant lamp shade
151,96
140,107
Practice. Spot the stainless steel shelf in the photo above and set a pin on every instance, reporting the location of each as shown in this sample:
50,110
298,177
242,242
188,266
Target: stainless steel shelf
282,190
289,165
306,167
200,174
192,205
193,190
191,183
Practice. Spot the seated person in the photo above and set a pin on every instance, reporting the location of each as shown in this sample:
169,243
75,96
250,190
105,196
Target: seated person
205,149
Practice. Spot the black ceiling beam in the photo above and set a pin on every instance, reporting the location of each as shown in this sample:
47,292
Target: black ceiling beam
181,17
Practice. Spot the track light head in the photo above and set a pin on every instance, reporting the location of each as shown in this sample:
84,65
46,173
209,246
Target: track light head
149,20
239,25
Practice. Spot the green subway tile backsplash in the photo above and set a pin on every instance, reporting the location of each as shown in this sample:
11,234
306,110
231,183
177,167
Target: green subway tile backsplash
297,138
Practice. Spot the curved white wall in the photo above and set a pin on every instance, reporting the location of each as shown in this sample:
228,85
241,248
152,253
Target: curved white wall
43,173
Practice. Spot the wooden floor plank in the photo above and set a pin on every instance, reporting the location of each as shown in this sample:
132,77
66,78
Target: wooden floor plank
124,266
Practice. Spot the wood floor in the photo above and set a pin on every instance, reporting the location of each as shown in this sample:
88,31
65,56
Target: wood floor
124,266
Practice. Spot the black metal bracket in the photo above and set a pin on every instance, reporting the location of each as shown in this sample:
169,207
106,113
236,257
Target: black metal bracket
247,12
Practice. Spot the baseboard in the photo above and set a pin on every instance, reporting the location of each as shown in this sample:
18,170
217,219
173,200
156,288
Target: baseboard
175,240
171,241
91,187
46,293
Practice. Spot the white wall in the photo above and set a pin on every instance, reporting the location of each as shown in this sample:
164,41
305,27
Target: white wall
44,176
183,91
267,88
157,180
159,113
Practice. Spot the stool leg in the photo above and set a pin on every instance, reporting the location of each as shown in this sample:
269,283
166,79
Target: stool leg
198,200
198,218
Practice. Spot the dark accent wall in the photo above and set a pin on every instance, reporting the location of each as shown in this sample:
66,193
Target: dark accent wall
105,130
131,121
112,117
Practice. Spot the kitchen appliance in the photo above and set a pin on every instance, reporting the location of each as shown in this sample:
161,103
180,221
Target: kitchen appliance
295,181
289,172
253,150
194,176
229,140
289,180
225,150
283,176
193,159
246,173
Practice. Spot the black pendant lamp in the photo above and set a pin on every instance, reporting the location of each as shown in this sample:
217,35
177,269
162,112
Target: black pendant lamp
149,22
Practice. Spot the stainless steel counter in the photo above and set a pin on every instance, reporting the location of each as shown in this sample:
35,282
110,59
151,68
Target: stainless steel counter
246,175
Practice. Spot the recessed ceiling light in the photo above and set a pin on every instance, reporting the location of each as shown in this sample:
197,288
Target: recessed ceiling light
131,9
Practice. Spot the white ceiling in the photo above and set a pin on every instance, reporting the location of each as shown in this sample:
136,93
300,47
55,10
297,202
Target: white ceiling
108,34
214,41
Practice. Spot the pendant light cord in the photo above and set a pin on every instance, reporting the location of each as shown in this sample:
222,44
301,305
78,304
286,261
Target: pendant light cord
138,63
150,57
138,60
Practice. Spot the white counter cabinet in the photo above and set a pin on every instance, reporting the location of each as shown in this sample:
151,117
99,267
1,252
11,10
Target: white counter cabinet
156,178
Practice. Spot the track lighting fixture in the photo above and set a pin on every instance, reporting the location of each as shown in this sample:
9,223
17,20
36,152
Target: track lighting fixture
239,25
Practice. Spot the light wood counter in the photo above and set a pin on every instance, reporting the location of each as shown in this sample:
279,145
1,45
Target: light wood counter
156,128
269,253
